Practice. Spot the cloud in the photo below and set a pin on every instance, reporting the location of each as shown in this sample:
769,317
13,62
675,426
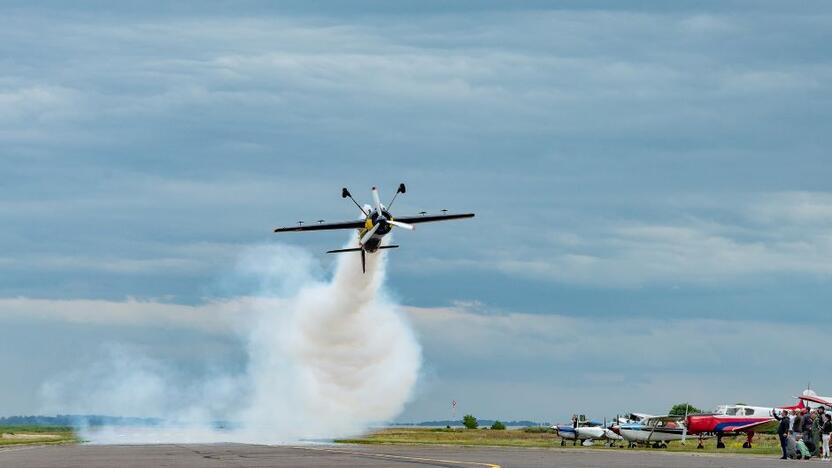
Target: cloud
216,317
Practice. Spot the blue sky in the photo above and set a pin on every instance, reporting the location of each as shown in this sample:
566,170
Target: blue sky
651,182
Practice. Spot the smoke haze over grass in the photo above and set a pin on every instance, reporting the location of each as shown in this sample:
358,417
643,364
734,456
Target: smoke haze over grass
326,358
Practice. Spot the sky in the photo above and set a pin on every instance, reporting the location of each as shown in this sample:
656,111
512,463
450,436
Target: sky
652,183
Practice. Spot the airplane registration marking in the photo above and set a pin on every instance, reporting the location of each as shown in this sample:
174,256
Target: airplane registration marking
401,457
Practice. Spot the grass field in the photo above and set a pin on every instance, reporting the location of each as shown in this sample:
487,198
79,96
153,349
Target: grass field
763,444
21,435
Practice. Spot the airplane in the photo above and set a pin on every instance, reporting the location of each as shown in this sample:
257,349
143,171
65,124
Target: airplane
585,431
375,223
648,430
810,396
732,420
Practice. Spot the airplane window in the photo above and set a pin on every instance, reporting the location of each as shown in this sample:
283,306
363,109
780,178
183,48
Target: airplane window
731,411
749,412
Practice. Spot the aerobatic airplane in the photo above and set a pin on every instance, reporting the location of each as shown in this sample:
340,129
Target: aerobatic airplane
375,223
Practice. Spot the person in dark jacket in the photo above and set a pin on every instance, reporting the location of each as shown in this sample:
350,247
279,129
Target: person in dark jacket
797,424
783,432
806,423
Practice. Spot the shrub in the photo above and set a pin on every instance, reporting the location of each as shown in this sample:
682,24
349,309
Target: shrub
469,421
681,409
498,426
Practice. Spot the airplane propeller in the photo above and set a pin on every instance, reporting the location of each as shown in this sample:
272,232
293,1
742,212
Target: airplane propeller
409,227
380,211
369,234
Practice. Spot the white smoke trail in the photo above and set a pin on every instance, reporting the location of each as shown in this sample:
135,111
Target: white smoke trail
329,360
349,357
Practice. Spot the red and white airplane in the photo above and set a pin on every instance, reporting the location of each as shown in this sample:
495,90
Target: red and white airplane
812,397
733,420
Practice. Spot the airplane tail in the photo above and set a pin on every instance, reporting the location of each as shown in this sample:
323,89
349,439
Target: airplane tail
363,254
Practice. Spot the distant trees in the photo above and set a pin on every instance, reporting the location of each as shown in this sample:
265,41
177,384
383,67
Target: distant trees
469,421
498,426
681,409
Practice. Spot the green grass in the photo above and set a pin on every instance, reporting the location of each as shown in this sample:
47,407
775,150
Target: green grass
23,435
764,444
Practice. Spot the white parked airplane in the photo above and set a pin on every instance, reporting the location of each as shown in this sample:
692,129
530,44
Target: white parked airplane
648,430
586,432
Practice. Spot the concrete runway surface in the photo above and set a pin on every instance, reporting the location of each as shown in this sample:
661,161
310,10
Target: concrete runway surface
243,456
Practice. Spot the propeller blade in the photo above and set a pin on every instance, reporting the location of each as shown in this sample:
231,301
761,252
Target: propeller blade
409,227
376,200
370,233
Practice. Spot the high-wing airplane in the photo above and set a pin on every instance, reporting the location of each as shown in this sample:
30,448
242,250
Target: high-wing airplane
812,397
375,223
650,430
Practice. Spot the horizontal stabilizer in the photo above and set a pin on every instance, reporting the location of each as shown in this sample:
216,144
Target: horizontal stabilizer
357,249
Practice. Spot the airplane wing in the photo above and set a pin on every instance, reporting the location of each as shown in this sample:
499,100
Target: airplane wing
323,226
769,425
653,420
817,399
432,218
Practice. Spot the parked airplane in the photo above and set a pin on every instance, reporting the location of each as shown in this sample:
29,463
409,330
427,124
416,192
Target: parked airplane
650,430
585,431
376,222
812,397
733,420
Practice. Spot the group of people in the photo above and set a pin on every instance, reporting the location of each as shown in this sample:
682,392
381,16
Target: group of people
804,434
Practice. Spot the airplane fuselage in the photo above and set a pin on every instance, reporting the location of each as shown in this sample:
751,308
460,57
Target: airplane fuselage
372,244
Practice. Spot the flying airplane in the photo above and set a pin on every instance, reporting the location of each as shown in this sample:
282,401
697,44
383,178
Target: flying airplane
375,223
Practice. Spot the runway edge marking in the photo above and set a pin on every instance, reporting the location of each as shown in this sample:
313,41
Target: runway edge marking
399,457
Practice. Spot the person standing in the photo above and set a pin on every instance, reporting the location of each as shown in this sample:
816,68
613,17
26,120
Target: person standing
826,431
808,421
797,424
575,427
783,432
817,423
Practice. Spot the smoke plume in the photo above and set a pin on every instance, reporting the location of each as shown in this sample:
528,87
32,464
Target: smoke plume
324,359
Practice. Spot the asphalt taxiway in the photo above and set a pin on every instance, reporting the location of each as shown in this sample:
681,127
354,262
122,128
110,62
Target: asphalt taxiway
257,456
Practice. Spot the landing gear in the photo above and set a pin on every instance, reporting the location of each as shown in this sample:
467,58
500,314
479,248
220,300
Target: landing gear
747,443
701,445
562,442
719,443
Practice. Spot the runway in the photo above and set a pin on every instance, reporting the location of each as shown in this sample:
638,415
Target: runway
257,456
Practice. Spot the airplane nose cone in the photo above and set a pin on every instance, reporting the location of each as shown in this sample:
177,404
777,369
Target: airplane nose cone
616,428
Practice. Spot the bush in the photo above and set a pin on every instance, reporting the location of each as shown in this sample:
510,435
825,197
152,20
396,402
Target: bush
498,426
470,421
538,430
681,409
